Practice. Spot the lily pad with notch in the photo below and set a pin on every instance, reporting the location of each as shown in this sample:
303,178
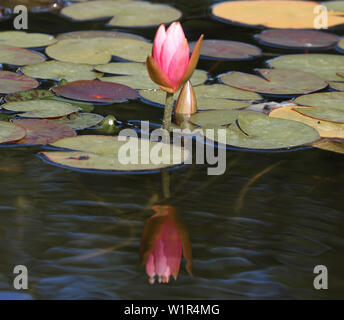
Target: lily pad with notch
326,66
273,82
108,153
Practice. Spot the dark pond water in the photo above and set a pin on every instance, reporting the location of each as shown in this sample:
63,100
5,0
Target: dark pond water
79,233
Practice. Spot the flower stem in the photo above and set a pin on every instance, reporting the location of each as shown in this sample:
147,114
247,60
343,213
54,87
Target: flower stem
168,111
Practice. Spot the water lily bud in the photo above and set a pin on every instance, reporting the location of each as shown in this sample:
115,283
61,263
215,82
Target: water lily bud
186,103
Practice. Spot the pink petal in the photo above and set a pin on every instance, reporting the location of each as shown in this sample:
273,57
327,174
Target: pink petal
179,64
160,258
174,38
159,39
150,267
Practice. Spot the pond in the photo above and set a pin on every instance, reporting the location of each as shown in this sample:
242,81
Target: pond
256,232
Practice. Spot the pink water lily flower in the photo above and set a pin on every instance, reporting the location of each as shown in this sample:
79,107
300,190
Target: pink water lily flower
170,65
163,243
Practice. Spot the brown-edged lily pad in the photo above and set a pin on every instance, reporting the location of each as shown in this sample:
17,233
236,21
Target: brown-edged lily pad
275,82
11,82
329,145
42,131
108,153
297,39
337,85
227,50
96,91
10,132
40,108
18,56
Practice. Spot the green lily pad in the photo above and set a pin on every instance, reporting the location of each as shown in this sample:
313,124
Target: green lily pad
123,68
26,40
297,39
209,97
28,95
214,118
10,132
275,82
18,56
325,66
61,70
227,50
80,121
96,91
106,153
11,82
83,106
40,108
326,106
337,85
99,50
91,34
258,131
340,46
334,5
42,131
144,81
124,13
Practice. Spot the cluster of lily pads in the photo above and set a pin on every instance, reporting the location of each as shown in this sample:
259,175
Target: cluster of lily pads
81,67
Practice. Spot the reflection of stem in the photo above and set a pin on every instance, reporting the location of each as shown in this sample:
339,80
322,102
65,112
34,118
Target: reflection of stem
165,183
214,66
168,111
244,190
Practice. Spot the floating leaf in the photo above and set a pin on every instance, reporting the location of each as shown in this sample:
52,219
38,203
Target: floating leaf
216,96
40,108
334,5
18,56
91,34
144,81
26,40
214,118
258,131
275,82
80,121
340,46
93,152
272,14
325,128
124,13
123,68
61,70
329,145
41,131
322,99
99,50
83,106
227,50
28,95
12,82
297,39
96,91
10,133
337,85
325,66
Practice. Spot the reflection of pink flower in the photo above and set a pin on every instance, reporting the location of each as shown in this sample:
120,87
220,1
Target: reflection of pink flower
170,65
163,242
